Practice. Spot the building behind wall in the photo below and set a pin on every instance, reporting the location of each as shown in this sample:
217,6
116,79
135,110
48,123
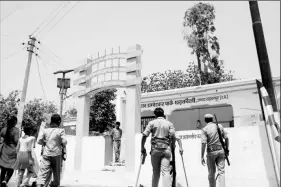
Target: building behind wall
235,104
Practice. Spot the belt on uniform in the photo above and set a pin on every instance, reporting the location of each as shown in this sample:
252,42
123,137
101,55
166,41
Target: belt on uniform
214,148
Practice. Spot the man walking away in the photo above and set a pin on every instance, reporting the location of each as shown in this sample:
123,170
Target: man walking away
52,139
215,152
116,134
161,133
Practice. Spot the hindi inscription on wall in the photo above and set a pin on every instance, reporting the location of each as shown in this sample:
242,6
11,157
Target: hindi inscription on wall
186,101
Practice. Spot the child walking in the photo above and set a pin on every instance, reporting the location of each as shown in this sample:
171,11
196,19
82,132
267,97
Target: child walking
25,160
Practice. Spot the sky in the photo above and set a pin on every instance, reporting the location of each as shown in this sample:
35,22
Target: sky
95,26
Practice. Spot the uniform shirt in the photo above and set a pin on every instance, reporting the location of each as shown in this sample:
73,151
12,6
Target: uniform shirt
52,138
116,134
160,129
210,134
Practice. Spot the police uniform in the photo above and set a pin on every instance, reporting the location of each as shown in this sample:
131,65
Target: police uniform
161,130
116,136
215,152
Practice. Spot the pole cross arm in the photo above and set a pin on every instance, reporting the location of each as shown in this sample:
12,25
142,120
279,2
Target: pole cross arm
66,71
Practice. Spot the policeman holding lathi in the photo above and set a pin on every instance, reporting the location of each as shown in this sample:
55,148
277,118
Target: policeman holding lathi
161,131
215,152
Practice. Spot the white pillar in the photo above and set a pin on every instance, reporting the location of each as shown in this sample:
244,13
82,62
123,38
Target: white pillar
123,127
133,110
118,109
82,128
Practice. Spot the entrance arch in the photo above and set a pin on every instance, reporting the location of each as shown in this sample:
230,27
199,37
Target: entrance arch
113,70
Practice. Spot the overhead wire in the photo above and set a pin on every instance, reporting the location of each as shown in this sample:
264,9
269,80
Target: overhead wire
45,65
40,77
13,54
49,51
61,18
52,18
47,18
51,60
13,11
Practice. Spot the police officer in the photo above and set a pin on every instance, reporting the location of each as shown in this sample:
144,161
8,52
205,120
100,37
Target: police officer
161,132
215,152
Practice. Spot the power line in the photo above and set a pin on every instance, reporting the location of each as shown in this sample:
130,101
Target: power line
52,18
10,13
40,77
52,60
47,18
45,65
50,52
61,18
13,54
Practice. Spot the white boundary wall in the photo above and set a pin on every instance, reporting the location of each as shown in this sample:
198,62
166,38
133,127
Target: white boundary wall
250,159
250,156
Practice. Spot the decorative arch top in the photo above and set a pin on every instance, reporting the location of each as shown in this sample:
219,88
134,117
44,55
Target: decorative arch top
109,71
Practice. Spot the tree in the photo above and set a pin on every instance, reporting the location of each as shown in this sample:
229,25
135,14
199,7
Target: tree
34,110
8,107
102,110
203,42
71,112
181,79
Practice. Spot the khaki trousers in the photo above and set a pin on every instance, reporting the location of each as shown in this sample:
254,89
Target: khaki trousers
215,160
160,160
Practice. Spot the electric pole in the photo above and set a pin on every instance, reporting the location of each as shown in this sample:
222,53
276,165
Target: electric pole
30,48
262,53
63,84
267,81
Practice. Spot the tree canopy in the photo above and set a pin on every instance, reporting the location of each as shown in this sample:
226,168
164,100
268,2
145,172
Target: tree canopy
102,111
33,110
201,38
8,107
180,79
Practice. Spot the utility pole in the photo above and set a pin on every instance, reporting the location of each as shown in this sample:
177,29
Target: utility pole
262,53
31,44
267,82
63,84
